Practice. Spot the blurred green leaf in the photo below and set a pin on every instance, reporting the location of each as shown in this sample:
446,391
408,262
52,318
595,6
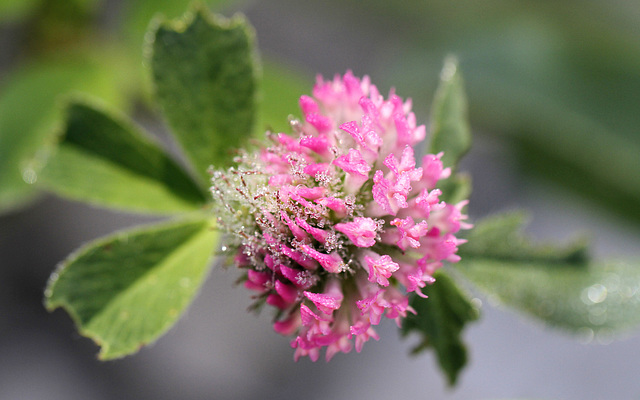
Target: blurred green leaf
205,73
560,141
550,77
500,237
558,285
14,10
456,188
127,289
596,299
449,124
105,160
439,321
28,112
281,87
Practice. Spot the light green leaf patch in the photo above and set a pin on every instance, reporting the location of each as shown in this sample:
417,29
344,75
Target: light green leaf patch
28,111
127,289
280,89
558,285
14,10
439,321
449,126
105,160
598,299
205,76
450,132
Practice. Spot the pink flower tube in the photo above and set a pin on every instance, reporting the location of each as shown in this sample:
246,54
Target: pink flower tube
335,225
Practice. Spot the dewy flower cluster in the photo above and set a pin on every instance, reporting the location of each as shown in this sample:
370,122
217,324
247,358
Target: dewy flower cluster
336,225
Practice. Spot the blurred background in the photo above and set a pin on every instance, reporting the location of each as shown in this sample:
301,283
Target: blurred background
554,92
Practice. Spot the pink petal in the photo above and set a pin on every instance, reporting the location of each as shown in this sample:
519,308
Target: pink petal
381,269
361,231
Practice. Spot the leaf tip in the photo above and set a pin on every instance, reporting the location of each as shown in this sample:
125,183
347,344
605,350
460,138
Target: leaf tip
450,68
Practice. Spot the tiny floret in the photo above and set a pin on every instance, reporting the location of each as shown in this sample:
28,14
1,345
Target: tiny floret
336,224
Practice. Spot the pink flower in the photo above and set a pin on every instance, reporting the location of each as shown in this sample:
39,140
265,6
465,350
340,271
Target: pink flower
361,231
335,225
409,232
381,268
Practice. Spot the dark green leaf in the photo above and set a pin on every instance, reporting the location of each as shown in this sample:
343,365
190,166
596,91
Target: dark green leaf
28,112
136,16
439,321
449,126
204,70
127,289
558,285
105,160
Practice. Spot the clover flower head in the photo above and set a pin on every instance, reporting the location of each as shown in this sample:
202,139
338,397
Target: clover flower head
335,225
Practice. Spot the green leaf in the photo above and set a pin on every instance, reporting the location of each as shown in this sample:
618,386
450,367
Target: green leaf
534,79
599,299
500,237
125,290
28,111
558,285
456,188
105,160
449,127
439,321
14,10
204,69
280,89
136,16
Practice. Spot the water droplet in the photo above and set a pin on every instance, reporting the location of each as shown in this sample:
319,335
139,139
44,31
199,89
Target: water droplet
30,176
597,293
476,303
585,335
449,70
